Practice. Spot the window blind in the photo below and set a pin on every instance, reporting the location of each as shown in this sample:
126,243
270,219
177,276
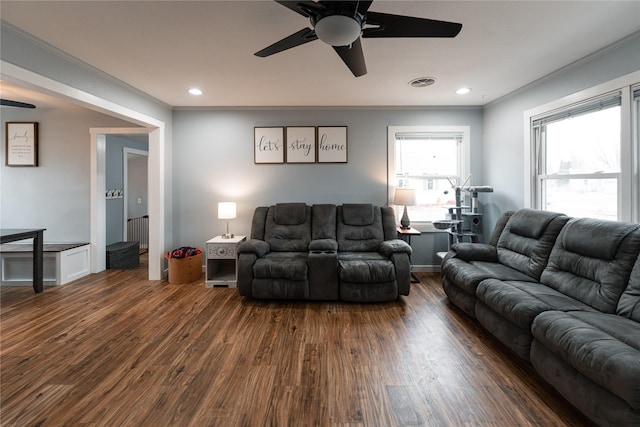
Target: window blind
427,136
607,101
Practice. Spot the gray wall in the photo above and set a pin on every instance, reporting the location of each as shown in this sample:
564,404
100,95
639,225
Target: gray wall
137,191
503,157
55,195
213,162
114,179
37,56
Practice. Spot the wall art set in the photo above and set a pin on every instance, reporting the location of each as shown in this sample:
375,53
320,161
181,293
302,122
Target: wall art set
300,144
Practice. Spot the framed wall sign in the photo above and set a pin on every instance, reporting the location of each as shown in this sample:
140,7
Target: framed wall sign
301,144
21,145
332,144
268,145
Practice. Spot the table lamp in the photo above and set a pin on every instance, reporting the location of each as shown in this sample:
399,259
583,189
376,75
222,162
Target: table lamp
405,197
227,210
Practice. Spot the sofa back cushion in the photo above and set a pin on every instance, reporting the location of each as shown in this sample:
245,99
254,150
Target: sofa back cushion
323,222
258,222
629,304
501,223
389,223
359,228
288,227
592,261
527,240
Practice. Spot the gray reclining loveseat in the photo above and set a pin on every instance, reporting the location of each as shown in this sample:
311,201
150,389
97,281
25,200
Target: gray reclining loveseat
324,252
563,294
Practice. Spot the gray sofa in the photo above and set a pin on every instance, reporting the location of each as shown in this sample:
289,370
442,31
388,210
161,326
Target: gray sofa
563,294
324,252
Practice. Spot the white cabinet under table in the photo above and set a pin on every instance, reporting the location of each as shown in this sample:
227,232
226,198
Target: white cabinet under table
221,267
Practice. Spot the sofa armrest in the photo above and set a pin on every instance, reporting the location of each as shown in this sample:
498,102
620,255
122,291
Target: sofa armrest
258,247
475,252
323,245
389,247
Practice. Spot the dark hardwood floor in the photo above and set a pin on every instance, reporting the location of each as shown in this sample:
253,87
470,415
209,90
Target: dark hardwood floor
114,349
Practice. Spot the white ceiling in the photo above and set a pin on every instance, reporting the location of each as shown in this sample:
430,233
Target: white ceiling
165,47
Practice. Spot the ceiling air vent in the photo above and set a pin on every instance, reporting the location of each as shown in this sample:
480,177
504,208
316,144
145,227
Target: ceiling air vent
422,82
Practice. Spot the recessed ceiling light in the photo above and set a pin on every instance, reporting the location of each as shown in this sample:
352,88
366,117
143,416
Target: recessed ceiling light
422,82
195,91
463,91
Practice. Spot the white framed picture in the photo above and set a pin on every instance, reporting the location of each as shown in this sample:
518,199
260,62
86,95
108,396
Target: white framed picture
268,145
332,144
301,144
21,145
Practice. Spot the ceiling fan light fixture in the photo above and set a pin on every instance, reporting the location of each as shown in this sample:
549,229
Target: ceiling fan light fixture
338,30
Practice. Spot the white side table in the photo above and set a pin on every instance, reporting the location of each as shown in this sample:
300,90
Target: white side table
221,267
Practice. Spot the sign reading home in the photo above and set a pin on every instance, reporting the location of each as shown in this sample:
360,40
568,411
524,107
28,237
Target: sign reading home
332,144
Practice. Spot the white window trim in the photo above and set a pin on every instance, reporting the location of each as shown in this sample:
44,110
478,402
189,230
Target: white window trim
465,167
628,203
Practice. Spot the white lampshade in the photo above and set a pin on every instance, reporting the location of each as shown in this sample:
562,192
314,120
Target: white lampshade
405,197
338,30
226,210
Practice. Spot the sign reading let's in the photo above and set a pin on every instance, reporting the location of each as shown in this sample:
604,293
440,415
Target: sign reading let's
300,144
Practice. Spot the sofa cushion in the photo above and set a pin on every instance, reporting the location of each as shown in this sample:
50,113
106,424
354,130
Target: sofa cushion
467,275
530,222
366,271
323,245
527,249
360,238
358,214
501,223
288,238
603,347
584,275
521,302
323,222
629,304
595,238
475,252
389,247
282,265
290,213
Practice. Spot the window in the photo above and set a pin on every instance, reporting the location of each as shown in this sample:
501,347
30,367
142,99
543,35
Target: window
579,159
582,153
431,160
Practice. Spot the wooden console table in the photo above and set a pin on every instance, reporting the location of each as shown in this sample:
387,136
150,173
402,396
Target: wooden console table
37,234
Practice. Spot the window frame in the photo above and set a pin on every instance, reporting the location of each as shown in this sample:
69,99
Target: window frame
464,159
628,204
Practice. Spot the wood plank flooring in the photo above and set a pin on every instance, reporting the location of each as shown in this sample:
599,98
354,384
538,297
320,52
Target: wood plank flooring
113,349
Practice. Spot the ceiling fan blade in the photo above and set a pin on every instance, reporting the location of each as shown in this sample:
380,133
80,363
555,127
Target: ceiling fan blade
303,36
302,7
388,25
9,103
363,6
347,6
353,57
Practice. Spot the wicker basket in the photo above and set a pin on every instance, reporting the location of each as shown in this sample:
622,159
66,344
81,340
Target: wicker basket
185,270
123,255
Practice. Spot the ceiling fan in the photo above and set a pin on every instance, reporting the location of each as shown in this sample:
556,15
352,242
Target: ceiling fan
10,103
341,24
